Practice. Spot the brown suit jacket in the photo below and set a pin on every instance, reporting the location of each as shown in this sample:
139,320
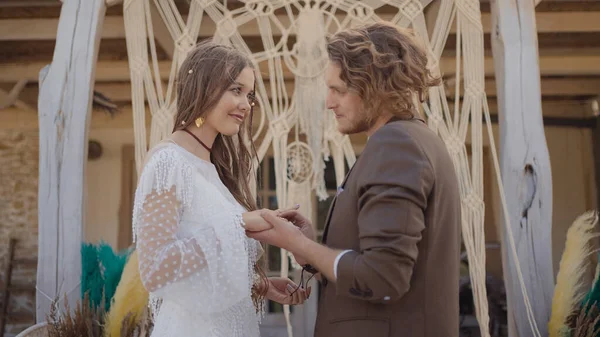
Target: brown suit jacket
399,212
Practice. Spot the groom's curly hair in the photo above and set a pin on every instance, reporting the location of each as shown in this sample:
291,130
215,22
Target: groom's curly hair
385,65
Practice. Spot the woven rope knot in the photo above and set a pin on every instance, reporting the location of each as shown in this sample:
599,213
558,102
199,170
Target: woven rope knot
259,8
432,61
138,66
411,8
279,126
474,89
162,116
473,201
454,144
205,3
226,27
184,43
435,118
470,9
360,12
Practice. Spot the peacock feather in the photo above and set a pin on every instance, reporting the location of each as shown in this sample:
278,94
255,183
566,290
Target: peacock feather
112,265
91,275
593,297
101,271
590,307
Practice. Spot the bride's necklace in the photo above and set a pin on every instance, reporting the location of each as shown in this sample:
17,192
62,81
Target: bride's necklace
198,139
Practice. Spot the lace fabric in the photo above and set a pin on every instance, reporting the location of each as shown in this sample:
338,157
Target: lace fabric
193,251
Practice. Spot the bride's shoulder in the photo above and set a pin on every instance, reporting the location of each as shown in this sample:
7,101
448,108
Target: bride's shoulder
164,155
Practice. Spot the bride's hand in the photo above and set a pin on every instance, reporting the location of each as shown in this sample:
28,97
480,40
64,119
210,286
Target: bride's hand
281,290
254,222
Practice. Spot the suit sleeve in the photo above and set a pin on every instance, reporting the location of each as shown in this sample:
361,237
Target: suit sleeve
392,197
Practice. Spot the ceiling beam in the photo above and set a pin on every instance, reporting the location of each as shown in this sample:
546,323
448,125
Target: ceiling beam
45,28
29,3
569,86
11,97
15,118
121,91
112,71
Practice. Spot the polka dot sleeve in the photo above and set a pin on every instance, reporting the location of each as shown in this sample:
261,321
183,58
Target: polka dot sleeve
164,258
191,246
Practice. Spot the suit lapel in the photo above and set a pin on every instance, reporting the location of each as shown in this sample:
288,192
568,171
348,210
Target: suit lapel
324,240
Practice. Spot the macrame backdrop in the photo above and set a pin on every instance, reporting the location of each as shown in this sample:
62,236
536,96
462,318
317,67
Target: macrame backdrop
299,128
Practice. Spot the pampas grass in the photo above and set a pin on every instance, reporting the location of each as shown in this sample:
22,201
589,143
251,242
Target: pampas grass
86,320
570,288
130,300
113,300
83,321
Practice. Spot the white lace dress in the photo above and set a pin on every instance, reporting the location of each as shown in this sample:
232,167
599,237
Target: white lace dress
195,259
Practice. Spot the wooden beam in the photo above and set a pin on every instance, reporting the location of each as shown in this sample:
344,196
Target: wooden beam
29,3
574,113
570,86
596,149
525,169
121,92
111,71
45,28
64,110
12,98
113,2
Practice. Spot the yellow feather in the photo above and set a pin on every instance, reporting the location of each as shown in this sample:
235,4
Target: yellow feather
570,288
130,297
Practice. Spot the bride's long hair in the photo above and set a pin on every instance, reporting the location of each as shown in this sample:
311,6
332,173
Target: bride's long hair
206,73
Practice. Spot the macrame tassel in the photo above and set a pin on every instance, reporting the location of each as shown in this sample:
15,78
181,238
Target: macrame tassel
310,90
309,23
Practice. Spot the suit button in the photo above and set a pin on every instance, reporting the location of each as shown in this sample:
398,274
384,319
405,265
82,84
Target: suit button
386,298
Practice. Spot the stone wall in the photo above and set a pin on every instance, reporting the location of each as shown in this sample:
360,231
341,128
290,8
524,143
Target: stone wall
18,216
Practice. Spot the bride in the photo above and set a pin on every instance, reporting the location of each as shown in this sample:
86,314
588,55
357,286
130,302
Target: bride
193,205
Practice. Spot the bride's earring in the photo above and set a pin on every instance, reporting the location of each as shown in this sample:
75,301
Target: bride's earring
199,121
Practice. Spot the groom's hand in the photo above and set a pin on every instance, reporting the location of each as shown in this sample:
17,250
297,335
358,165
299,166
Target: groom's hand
299,221
282,234
305,226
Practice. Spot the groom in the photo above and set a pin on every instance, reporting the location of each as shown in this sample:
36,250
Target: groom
389,261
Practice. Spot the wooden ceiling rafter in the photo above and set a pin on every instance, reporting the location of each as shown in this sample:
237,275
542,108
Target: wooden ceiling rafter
569,47
33,29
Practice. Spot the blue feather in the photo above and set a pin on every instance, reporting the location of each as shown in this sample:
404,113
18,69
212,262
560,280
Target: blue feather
101,268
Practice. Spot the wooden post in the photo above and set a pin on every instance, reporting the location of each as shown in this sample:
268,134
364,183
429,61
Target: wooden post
596,149
64,107
525,165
